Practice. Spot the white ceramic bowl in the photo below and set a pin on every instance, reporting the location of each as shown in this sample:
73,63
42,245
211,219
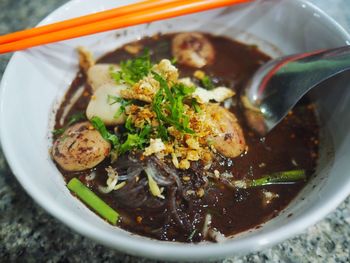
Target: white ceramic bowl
36,79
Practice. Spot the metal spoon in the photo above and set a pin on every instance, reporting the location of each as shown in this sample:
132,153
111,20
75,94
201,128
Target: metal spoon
279,84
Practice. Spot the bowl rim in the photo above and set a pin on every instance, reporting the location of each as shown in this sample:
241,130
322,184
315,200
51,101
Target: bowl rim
167,250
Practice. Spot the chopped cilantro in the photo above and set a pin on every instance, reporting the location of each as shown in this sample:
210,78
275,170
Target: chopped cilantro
129,126
171,100
207,83
123,103
163,133
173,61
100,126
168,104
196,106
71,120
145,132
136,140
113,99
57,132
132,141
183,90
75,118
133,70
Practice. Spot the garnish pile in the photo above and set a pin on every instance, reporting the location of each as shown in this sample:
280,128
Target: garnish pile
164,115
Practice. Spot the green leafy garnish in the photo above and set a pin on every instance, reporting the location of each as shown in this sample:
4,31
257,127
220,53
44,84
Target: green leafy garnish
113,99
57,132
100,126
71,120
173,61
136,140
169,106
207,83
75,118
93,201
123,104
196,106
129,125
285,177
163,133
133,70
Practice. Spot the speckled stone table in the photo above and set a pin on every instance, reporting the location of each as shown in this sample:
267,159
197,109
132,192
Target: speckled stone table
29,234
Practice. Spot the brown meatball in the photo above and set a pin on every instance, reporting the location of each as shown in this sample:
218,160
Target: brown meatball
80,147
193,49
228,136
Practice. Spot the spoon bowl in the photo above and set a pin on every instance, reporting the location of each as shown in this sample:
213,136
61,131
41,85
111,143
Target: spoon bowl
279,84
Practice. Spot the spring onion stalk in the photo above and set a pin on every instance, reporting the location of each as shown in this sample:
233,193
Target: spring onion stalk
190,237
93,201
285,177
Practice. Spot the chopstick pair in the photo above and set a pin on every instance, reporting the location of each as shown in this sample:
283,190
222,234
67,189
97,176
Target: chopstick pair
134,14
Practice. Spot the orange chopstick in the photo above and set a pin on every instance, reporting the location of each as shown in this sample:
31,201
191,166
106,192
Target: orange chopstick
115,12
156,11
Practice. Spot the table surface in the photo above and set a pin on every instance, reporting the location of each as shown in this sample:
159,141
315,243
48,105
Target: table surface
28,233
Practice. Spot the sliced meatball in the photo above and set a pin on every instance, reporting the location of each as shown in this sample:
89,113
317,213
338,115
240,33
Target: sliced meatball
193,49
80,147
100,74
254,117
255,121
97,74
227,137
104,108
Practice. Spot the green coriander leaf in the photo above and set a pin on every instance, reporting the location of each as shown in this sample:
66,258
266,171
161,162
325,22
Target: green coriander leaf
173,61
117,76
119,112
133,70
132,141
113,99
129,125
146,131
196,106
185,121
75,118
123,103
207,83
71,120
100,126
183,90
171,99
163,133
165,87
136,140
58,132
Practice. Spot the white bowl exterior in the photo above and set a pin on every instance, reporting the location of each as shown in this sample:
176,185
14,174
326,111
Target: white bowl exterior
36,79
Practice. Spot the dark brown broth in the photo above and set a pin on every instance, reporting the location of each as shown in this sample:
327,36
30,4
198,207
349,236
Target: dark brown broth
293,141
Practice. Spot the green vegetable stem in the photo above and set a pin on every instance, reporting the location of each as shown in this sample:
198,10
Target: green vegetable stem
93,201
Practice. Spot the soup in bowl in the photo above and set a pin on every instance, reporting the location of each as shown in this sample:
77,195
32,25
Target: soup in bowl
159,174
